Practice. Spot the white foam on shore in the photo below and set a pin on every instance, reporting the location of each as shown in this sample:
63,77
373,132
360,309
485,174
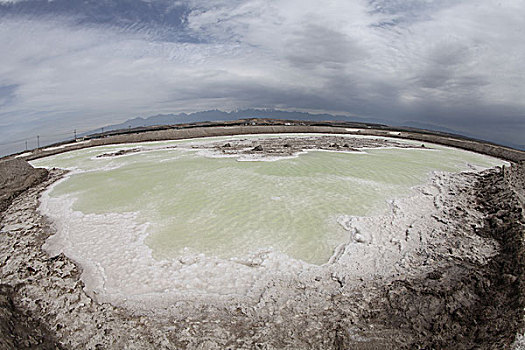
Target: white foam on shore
118,267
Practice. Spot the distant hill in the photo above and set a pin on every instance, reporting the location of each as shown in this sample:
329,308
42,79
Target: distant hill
429,126
217,115
433,127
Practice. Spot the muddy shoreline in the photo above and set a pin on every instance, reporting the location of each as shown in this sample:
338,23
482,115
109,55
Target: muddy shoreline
449,294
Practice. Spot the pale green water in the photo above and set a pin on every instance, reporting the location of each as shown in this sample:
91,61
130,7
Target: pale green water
225,208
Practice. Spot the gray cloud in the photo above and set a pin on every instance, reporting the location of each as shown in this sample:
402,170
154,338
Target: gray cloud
82,64
315,46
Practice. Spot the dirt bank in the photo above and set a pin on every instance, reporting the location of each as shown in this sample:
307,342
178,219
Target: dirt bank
275,126
462,288
16,176
467,304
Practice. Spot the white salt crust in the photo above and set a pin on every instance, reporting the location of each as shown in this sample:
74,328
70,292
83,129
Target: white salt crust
118,267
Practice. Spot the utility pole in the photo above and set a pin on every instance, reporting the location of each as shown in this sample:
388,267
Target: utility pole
38,141
75,133
26,145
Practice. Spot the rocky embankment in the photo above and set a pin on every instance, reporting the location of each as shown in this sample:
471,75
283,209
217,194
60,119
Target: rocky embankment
290,146
465,304
450,294
17,330
16,176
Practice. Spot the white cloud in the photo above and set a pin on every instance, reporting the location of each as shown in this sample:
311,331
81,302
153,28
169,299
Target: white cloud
354,56
58,67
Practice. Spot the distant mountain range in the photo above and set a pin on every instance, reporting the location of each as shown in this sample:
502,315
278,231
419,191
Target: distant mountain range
217,115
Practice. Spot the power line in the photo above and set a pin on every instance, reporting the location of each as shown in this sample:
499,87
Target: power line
25,143
44,137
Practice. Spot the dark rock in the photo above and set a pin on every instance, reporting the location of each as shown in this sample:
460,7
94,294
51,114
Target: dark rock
434,275
119,153
258,148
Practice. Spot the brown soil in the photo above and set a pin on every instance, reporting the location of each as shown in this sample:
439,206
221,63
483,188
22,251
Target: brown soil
16,176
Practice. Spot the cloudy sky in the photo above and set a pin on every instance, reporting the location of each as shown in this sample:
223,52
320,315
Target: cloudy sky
82,64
